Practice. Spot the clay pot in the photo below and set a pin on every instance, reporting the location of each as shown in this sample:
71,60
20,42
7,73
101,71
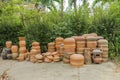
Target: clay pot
77,38
50,57
59,39
14,49
38,56
54,53
91,44
80,50
35,44
22,43
104,55
51,50
51,45
99,37
102,42
104,59
91,38
91,34
77,60
21,38
21,58
97,51
47,60
22,50
9,56
69,49
97,60
70,46
36,47
69,41
39,61
8,44
33,51
102,46
65,60
87,56
56,59
81,44
14,55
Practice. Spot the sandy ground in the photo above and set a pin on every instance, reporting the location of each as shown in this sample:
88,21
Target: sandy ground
58,71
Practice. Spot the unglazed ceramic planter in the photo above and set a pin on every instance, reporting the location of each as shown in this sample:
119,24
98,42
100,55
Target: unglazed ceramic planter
8,44
22,43
14,49
58,42
35,44
65,60
38,56
14,55
77,60
81,44
22,50
91,44
21,38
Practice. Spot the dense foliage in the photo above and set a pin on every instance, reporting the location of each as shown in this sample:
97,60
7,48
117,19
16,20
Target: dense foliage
44,26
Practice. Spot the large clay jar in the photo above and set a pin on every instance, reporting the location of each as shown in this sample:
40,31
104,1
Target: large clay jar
22,43
35,44
21,38
22,50
8,44
14,55
77,60
14,49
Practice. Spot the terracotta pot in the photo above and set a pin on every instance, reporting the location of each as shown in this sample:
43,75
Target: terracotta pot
102,42
22,38
105,55
56,59
36,47
47,54
67,56
54,53
47,60
81,44
39,61
22,55
70,46
14,55
59,39
21,58
104,59
33,51
22,50
91,38
66,60
50,57
69,41
77,60
8,44
91,34
51,44
99,37
38,56
35,44
80,49
102,46
77,38
97,51
51,50
91,44
22,43
97,60
105,49
9,56
78,52
14,49
69,49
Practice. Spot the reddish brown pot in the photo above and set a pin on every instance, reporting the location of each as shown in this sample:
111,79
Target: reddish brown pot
80,49
8,44
59,39
47,60
56,59
65,60
91,44
22,43
21,38
14,49
22,50
51,50
97,60
70,46
69,41
33,51
81,44
50,57
38,56
51,44
102,42
35,44
77,38
69,49
105,55
77,60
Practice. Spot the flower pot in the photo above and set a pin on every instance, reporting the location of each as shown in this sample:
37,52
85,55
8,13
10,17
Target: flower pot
22,43
91,44
38,56
35,44
47,60
77,60
14,55
14,49
22,50
21,38
8,44
65,60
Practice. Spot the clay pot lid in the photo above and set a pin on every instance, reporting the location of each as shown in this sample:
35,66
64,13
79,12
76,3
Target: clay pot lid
102,41
76,56
69,40
91,38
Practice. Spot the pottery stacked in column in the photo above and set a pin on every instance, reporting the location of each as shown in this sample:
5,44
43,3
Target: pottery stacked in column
69,49
81,44
58,43
91,42
103,44
35,50
14,50
22,49
6,52
51,47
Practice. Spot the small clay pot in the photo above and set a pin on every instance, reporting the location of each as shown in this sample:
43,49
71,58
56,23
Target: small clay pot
39,56
65,60
9,56
14,49
8,44
69,41
50,57
97,60
21,38
22,43
91,44
14,55
35,44
59,39
47,60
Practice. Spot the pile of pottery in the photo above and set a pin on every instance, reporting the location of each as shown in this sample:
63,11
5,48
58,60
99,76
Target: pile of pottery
51,57
22,49
51,47
69,49
103,44
35,53
58,43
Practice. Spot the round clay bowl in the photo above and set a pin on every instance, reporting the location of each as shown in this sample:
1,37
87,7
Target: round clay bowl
77,60
22,43
14,49
8,44
35,44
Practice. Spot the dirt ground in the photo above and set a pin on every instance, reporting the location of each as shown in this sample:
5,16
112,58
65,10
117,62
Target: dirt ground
59,71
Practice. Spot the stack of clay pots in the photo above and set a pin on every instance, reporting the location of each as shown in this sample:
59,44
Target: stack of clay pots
87,56
35,50
69,49
77,60
22,49
58,42
14,50
51,47
103,44
80,45
91,42
39,58
97,55
50,57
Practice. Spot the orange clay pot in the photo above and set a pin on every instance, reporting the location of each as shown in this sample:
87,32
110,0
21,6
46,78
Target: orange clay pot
69,49
33,51
22,43
77,60
14,49
81,44
8,44
91,44
70,46
69,41
59,39
51,50
47,60
65,60
22,50
50,57
35,44
102,42
56,59
21,38
77,38
38,56
105,55
51,45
